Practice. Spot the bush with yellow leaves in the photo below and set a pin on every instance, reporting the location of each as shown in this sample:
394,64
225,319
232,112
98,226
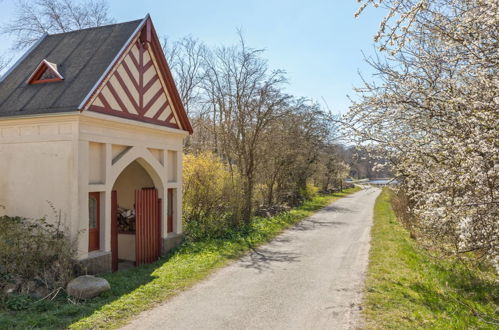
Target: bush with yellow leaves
212,196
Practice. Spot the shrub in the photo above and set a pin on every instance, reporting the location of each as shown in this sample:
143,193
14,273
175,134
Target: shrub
310,191
212,196
35,256
402,205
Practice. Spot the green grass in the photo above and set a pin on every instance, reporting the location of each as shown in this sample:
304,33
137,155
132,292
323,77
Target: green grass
407,288
141,288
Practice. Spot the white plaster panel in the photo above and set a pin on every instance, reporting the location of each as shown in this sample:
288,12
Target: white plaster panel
34,176
96,163
172,166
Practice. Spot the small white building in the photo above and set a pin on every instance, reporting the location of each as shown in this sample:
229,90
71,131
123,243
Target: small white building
91,135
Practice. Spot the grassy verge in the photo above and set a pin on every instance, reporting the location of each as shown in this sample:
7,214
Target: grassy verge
406,288
142,288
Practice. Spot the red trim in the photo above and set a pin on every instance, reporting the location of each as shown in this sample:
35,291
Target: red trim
127,91
147,66
116,97
170,84
141,79
34,82
160,110
147,234
151,82
170,209
130,75
132,116
134,59
104,101
159,240
152,101
94,233
164,71
39,71
169,117
114,230
145,36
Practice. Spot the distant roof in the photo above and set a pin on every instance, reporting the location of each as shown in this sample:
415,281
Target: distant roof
82,57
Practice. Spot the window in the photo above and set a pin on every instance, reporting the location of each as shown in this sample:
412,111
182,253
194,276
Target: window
170,208
93,221
92,212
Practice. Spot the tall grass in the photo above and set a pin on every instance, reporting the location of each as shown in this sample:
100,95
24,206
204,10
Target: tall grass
407,288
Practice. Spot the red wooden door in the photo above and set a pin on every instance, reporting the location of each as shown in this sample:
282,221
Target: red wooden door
93,221
147,235
169,207
114,230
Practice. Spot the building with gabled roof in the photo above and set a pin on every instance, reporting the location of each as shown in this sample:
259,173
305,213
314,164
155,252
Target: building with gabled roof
92,127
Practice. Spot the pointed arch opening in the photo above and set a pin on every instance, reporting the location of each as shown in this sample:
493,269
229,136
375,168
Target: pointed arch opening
136,215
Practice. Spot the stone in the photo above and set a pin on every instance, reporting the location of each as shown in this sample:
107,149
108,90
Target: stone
10,288
87,287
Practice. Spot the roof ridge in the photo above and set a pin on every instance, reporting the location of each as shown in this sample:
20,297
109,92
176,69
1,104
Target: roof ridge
95,27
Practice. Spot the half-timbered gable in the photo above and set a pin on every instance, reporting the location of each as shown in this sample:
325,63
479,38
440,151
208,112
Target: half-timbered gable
139,85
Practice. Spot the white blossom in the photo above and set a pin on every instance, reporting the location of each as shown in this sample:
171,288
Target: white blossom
436,115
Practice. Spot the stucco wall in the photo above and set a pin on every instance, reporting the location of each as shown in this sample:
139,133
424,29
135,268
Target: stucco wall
37,170
54,158
136,155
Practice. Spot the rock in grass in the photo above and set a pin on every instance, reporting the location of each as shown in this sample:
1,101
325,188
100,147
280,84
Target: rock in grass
87,287
10,288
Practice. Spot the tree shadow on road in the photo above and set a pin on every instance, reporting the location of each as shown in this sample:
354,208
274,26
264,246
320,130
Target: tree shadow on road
263,258
334,208
312,224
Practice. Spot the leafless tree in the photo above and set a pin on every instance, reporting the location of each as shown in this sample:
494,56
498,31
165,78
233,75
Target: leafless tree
292,150
185,57
4,63
245,97
34,18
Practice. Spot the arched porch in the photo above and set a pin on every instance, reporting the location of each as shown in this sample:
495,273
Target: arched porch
136,208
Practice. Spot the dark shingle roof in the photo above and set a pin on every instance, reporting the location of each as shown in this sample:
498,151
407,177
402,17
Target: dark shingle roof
82,57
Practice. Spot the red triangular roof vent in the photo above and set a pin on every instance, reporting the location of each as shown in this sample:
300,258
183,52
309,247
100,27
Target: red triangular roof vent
45,72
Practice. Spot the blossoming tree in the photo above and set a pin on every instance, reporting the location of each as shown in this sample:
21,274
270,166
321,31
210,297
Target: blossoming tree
435,112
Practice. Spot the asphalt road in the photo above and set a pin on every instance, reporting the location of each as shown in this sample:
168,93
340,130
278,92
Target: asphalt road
309,277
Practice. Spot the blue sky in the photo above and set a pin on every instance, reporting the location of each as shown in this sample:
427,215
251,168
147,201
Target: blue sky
318,43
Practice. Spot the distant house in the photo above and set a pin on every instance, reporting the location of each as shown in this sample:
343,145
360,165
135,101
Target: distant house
91,129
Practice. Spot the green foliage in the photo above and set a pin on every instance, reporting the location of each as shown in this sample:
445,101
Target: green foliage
211,199
310,191
138,289
408,288
16,302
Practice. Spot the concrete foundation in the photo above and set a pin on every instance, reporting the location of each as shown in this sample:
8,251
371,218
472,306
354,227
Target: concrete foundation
101,262
97,263
171,242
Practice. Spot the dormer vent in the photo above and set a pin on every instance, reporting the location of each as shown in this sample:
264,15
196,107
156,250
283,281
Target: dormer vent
45,72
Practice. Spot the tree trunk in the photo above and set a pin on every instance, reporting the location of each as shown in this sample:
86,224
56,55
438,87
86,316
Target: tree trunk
270,194
248,200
